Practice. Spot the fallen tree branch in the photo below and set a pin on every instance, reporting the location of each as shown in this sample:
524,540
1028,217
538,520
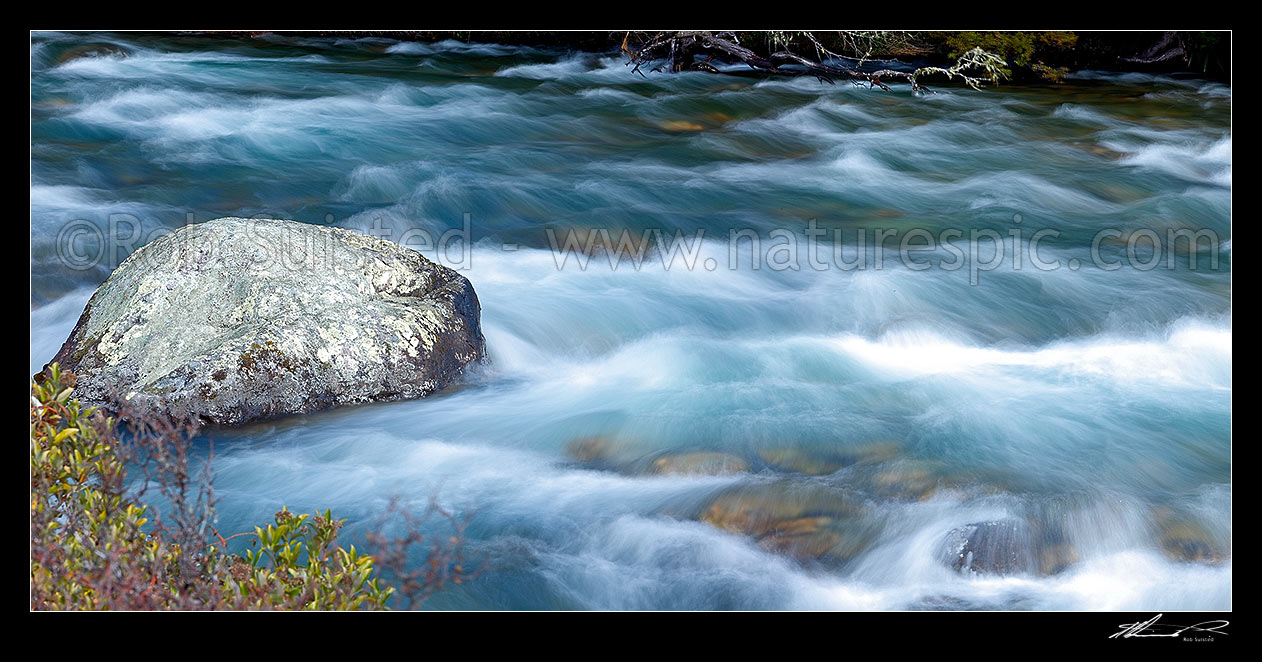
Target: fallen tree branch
681,49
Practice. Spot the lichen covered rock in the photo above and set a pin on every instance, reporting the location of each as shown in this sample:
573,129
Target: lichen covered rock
236,320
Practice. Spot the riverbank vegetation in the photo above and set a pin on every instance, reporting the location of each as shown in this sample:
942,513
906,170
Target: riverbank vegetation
1045,56
96,544
1030,56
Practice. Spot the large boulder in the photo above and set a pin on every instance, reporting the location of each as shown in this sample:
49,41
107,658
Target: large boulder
237,320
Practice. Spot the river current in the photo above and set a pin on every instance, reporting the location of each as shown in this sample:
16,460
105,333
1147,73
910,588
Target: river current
963,372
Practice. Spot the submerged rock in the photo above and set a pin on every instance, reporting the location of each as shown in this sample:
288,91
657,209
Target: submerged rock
630,458
802,521
607,453
821,462
81,51
942,603
1188,542
236,320
680,126
907,482
704,463
592,449
794,460
1055,557
1181,538
901,480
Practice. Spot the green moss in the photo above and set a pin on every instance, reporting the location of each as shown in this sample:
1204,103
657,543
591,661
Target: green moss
1024,52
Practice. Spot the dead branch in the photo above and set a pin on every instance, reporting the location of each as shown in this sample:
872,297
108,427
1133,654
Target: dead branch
680,51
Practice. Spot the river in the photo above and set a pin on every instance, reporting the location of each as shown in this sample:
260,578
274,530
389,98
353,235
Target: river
1078,384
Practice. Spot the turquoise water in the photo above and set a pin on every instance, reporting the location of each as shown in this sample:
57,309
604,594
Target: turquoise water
1094,400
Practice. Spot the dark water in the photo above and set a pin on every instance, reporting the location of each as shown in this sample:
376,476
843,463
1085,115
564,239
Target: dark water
1093,398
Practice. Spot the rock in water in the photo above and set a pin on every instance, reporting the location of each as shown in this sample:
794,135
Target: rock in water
236,320
803,520
699,463
1004,547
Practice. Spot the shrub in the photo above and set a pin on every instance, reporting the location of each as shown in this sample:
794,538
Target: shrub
298,566
93,546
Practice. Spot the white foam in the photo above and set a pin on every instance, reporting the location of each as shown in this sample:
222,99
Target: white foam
52,323
1192,160
1191,352
1142,581
563,69
449,46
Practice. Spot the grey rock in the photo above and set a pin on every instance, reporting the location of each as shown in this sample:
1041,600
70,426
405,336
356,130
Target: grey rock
237,320
1003,547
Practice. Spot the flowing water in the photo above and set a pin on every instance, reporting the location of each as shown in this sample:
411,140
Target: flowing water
1088,403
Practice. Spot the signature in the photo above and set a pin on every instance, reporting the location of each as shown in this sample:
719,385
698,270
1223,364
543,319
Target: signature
1151,628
